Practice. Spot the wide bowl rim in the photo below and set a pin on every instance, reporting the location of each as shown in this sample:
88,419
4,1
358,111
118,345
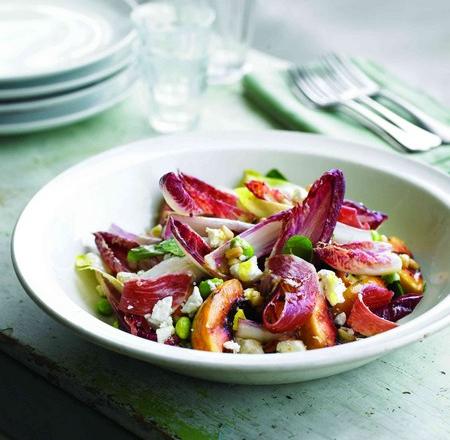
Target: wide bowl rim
93,329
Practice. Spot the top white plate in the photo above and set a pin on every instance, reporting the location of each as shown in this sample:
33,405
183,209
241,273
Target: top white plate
121,186
47,37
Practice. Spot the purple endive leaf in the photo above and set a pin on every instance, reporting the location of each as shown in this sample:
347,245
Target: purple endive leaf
141,239
114,250
176,195
365,215
261,236
174,265
191,196
248,329
203,191
295,295
193,245
362,258
199,224
316,217
398,308
344,234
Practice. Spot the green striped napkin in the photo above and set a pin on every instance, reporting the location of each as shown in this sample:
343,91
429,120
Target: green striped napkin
270,91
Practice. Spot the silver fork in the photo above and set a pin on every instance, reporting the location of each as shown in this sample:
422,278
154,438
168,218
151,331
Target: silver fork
361,79
326,87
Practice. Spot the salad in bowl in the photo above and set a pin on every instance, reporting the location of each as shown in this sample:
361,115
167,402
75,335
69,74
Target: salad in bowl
269,266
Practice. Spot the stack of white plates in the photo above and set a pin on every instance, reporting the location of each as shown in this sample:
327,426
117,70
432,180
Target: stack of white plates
62,60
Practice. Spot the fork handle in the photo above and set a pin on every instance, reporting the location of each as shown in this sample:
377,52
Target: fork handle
432,124
388,130
424,135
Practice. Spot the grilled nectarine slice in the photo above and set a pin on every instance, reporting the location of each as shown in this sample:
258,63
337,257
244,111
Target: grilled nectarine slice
399,246
210,328
411,281
352,291
319,330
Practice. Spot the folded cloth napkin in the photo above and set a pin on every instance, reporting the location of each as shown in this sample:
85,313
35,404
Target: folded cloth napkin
270,91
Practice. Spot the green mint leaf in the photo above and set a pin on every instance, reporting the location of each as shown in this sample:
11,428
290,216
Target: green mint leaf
154,250
300,246
275,174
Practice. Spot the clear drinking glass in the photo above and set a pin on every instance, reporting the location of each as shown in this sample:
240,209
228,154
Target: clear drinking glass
230,39
174,37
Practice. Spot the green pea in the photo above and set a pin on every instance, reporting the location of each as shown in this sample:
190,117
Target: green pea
183,327
247,248
104,307
207,286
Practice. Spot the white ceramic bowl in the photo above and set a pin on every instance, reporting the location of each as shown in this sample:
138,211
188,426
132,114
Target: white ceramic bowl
121,186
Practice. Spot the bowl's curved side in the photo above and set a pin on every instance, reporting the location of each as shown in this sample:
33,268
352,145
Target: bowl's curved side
58,211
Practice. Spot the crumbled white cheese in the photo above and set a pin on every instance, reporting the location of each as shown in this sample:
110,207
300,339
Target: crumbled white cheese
160,316
164,333
340,319
194,302
290,346
216,237
246,271
294,193
232,346
331,286
250,346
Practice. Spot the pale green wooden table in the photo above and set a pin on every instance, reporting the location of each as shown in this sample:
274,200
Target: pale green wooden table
404,396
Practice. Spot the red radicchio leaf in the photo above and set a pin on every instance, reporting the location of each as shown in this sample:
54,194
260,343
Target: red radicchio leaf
295,296
261,236
117,230
193,245
399,308
206,191
134,324
263,191
316,217
189,195
360,258
362,319
367,218
349,216
376,296
139,296
137,326
114,250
